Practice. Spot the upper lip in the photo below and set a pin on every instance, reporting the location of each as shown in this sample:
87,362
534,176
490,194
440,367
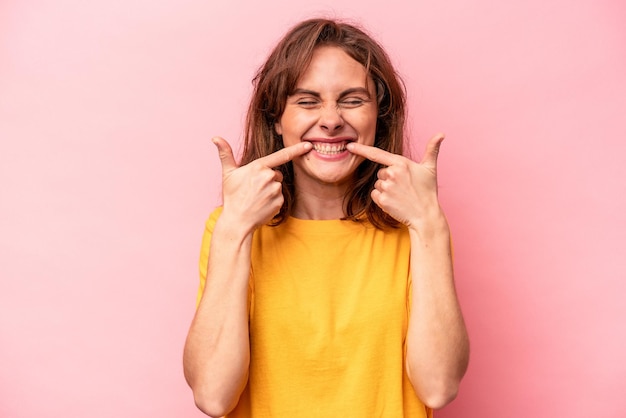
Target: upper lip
331,140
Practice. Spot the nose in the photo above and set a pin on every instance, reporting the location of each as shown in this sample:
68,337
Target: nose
330,118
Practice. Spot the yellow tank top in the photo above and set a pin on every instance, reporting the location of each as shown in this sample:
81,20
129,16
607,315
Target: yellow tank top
329,309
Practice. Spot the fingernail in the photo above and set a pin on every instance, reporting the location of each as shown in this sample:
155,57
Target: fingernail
349,146
308,145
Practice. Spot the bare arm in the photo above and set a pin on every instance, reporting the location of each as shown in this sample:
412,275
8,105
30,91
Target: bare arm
437,342
217,350
438,346
217,355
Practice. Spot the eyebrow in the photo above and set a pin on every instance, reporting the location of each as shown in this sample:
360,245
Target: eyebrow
359,90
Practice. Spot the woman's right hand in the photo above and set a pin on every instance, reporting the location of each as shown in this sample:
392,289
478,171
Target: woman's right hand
253,192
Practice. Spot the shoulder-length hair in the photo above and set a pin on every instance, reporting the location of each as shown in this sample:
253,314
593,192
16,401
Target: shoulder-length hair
276,80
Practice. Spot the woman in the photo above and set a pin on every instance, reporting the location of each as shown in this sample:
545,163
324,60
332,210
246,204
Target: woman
327,284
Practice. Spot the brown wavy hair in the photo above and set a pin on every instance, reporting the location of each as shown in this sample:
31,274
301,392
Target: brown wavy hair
276,80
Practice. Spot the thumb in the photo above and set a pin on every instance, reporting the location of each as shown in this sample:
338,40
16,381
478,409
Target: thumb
226,154
432,150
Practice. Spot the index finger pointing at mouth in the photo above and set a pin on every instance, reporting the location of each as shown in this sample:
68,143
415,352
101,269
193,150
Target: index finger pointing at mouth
374,154
286,154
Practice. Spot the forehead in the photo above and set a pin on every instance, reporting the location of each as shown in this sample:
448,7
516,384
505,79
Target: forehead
331,68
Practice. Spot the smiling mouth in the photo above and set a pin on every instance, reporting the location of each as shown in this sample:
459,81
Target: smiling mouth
330,149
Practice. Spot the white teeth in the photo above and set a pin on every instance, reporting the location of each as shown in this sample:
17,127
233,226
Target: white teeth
323,148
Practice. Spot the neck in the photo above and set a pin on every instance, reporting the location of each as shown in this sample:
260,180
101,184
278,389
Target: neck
319,206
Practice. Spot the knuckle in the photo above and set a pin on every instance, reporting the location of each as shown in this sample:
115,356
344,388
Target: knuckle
267,175
277,204
287,154
403,164
376,197
276,188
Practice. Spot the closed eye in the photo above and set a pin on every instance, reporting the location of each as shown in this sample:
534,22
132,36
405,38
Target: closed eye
307,103
352,102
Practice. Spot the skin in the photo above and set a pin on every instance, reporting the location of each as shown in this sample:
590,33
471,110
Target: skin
217,351
332,105
437,341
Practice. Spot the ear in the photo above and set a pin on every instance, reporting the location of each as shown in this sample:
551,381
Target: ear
278,128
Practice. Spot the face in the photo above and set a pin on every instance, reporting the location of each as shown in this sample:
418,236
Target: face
334,103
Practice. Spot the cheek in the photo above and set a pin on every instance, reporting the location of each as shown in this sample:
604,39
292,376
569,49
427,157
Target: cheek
367,128
372,130
294,126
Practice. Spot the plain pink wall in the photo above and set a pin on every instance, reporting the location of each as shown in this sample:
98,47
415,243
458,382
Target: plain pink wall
107,175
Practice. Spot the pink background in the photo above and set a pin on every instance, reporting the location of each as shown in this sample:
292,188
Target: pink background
107,175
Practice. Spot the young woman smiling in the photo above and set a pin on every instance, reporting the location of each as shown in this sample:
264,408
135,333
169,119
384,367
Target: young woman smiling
327,285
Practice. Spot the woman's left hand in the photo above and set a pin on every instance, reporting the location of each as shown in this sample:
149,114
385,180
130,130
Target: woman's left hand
405,189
